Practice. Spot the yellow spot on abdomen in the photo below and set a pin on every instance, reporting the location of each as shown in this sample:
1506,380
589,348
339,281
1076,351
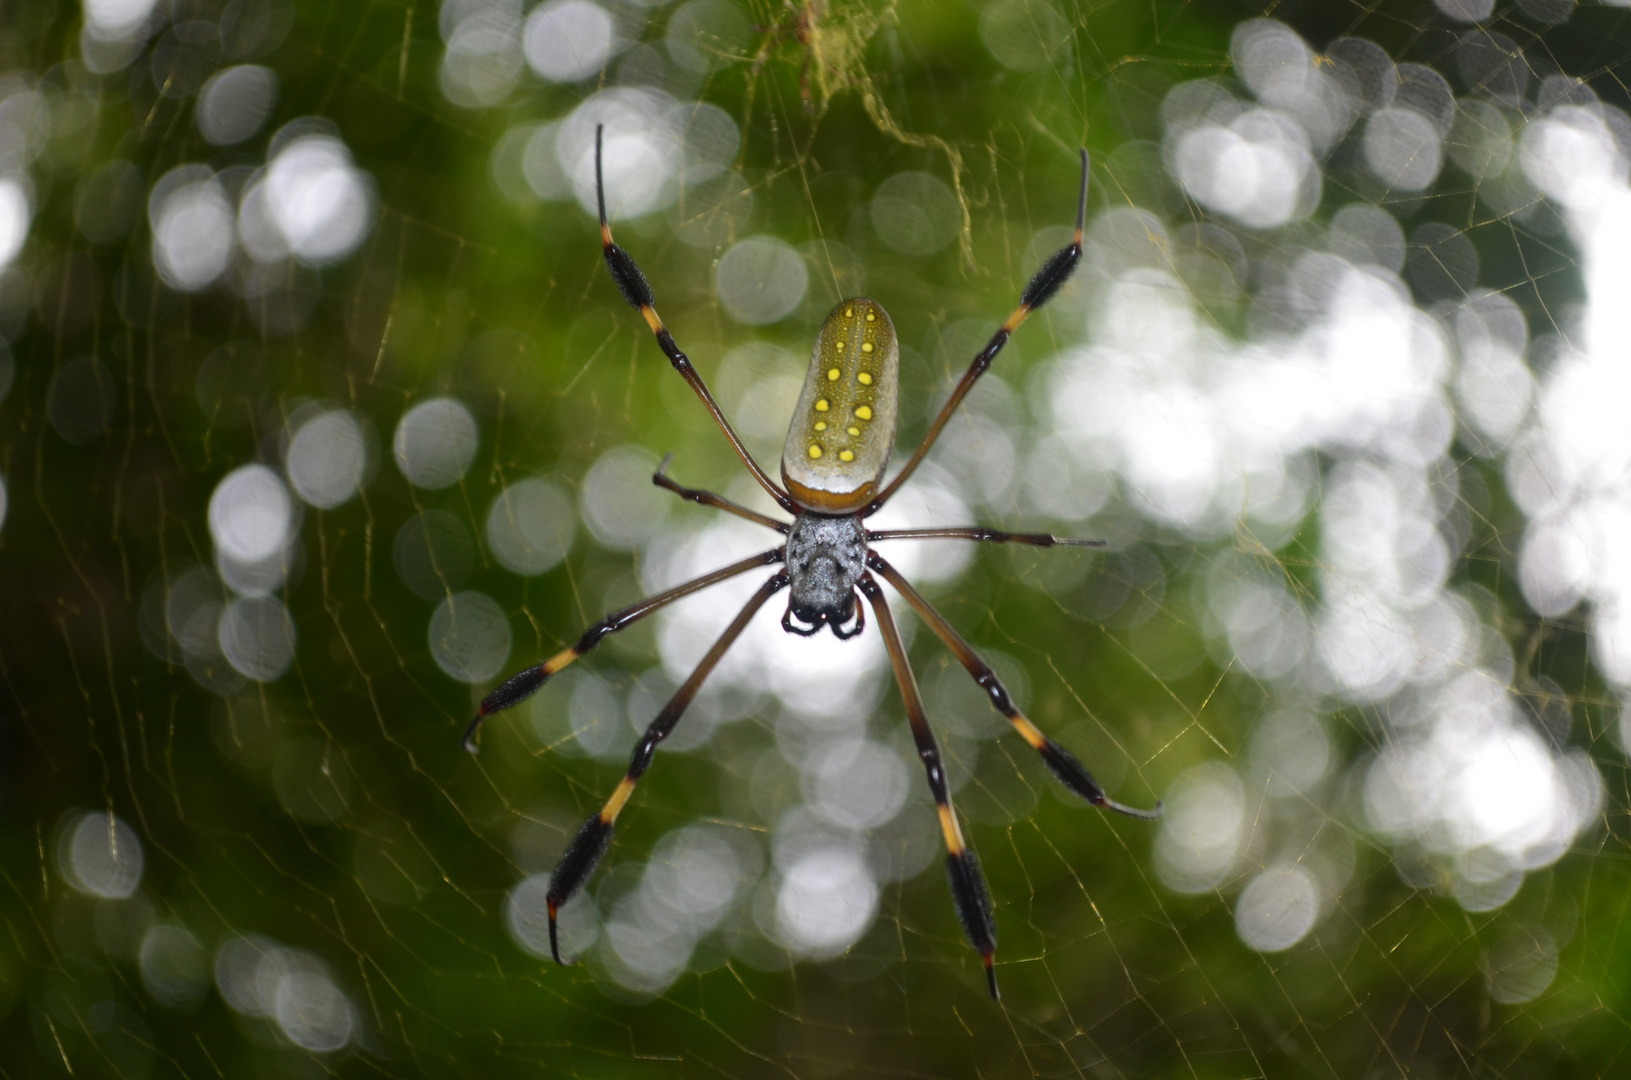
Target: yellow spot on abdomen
866,380
821,405
864,412
832,374
815,450
846,455
871,316
849,313
854,431
821,425
866,346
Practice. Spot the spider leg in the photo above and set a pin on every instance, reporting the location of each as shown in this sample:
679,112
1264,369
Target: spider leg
631,282
976,532
788,625
1048,280
522,685
718,502
596,835
1061,762
855,628
968,889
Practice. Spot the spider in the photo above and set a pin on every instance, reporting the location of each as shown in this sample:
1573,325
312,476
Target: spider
837,448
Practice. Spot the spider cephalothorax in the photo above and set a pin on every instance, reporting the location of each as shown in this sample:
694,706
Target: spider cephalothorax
826,557
837,449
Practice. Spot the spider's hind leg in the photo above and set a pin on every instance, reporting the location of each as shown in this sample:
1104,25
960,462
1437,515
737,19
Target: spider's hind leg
968,888
584,854
1061,762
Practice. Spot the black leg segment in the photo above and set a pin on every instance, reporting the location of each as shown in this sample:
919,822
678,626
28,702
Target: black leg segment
973,900
574,869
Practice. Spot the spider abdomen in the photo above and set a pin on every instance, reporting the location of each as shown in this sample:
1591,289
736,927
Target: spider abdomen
844,426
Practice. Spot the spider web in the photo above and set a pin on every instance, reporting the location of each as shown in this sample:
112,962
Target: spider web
318,417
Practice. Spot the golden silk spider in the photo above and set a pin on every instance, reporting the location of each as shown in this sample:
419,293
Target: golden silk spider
838,446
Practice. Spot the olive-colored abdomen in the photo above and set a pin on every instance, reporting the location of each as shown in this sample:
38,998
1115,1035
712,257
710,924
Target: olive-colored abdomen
844,426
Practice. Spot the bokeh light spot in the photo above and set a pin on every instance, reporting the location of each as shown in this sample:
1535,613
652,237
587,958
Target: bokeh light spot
15,213
175,968
435,443
1024,36
1277,909
327,459
531,526
1520,966
568,40
251,514
193,228
826,901
101,856
1203,829
915,213
526,916
761,280
257,637
320,205
469,636
313,1012
621,506
235,103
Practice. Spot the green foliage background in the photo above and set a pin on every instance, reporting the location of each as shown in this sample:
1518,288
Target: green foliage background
1105,972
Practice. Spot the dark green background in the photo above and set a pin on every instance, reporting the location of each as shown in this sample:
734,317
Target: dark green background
1105,972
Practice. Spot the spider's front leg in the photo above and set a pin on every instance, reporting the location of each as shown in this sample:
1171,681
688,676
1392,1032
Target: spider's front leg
1047,281
631,282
